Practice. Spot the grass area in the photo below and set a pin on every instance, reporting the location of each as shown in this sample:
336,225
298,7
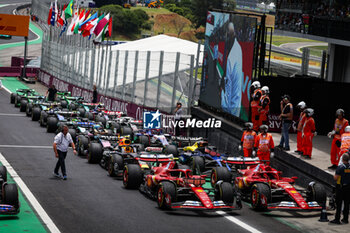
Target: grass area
317,50
152,11
278,40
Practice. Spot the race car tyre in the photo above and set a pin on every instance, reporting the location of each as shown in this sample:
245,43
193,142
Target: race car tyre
316,192
89,116
72,106
95,153
3,173
11,195
13,98
23,105
36,112
166,195
132,176
126,131
51,125
64,104
260,196
81,112
101,119
225,192
116,163
17,101
143,139
171,149
116,126
220,173
29,108
83,144
43,118
198,165
73,133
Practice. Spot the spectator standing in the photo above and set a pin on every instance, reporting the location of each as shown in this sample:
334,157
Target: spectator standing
94,95
339,128
342,195
60,146
51,93
286,117
264,145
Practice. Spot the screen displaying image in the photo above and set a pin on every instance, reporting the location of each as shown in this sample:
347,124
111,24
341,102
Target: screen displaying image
228,62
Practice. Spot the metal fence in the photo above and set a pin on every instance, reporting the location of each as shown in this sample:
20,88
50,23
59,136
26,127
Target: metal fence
148,78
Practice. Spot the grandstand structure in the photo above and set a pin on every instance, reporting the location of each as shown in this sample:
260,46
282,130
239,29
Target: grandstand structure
321,20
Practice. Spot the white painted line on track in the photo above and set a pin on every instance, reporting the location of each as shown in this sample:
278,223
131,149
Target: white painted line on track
238,222
29,195
12,114
24,146
3,87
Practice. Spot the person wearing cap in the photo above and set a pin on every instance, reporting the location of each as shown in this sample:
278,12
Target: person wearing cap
264,145
308,132
301,106
342,193
264,106
286,117
248,140
339,128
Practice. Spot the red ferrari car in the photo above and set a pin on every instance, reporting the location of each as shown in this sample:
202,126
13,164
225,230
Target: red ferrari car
176,188
267,189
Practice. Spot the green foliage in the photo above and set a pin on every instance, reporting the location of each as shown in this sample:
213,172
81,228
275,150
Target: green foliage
178,11
170,7
169,2
125,20
147,25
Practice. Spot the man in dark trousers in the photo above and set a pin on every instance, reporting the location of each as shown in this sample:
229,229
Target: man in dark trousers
342,195
286,117
94,95
178,112
60,147
51,93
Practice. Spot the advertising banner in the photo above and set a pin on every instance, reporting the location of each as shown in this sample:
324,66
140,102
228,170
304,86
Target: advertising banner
228,62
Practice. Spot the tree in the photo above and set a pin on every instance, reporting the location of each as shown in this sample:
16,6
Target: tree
179,24
200,9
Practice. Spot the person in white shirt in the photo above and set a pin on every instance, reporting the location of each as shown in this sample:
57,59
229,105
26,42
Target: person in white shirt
60,147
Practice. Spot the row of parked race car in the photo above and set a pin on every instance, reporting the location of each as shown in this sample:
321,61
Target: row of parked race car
177,172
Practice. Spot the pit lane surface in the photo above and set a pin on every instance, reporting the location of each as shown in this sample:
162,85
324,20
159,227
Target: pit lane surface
90,201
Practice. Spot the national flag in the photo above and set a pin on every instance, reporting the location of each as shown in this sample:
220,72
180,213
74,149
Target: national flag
69,10
83,25
50,15
101,24
64,28
53,16
56,11
101,33
89,27
72,23
61,17
80,20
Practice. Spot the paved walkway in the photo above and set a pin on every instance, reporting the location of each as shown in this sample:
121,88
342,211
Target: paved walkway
320,153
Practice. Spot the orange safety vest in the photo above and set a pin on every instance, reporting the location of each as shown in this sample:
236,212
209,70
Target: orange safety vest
345,141
264,142
254,106
248,139
309,125
302,118
257,93
267,107
339,127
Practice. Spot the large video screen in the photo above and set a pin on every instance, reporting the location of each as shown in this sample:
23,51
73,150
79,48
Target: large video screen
228,62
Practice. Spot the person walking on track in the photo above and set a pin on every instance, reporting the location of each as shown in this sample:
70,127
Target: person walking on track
60,147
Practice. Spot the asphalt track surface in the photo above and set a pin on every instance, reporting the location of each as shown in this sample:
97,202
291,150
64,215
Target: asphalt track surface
90,201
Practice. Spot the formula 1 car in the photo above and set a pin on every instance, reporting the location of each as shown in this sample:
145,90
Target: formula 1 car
268,190
9,203
177,188
20,97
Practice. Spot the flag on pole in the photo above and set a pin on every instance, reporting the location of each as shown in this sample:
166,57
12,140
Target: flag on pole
89,27
69,10
50,15
53,16
80,20
56,11
61,17
83,25
101,29
71,26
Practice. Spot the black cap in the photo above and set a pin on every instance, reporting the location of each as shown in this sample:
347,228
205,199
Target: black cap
286,97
